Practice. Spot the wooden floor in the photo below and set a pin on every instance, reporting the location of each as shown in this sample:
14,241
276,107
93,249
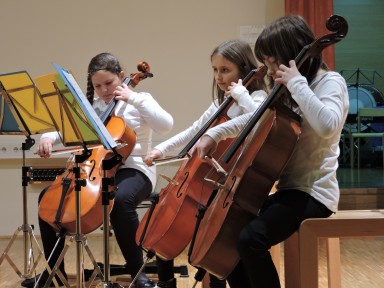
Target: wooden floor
362,260
362,263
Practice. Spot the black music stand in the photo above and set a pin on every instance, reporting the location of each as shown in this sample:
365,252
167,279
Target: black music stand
22,112
78,124
356,78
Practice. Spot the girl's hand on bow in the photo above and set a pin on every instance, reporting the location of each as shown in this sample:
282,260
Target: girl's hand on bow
152,156
45,147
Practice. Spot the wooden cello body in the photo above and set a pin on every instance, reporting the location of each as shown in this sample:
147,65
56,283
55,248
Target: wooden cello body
168,228
57,206
171,224
270,137
268,149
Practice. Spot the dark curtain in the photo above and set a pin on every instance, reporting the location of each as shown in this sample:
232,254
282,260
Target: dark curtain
316,13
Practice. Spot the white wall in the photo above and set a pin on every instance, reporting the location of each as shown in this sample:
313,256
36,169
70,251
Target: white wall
175,37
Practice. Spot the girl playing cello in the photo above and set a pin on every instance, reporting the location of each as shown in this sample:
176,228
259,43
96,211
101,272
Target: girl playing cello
135,180
307,186
231,60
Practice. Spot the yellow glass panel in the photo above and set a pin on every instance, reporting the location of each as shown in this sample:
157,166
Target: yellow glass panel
25,103
68,117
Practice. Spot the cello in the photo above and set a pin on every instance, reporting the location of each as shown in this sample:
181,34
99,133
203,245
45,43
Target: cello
167,228
58,204
272,132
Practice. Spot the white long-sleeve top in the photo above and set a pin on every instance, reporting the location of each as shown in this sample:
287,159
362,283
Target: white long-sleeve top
244,103
143,114
312,167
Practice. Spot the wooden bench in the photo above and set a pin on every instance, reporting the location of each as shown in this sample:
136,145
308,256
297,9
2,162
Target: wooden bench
301,250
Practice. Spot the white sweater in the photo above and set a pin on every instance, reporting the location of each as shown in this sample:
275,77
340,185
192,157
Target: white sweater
143,115
244,104
312,167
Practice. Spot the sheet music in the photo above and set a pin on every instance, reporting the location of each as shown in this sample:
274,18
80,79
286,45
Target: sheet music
104,135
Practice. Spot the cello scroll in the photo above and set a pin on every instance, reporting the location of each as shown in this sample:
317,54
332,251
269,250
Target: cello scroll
336,24
144,73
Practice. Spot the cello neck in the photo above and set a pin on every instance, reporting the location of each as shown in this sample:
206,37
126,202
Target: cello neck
107,113
253,74
219,112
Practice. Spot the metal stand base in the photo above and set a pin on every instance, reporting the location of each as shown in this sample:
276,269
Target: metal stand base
27,229
150,268
109,285
29,239
81,243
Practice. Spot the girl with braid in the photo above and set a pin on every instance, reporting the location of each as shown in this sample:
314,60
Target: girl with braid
134,178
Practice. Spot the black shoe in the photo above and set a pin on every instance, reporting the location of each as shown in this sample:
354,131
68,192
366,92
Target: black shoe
144,282
167,284
31,282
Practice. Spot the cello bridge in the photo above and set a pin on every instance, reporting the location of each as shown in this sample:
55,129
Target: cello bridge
215,183
216,165
171,181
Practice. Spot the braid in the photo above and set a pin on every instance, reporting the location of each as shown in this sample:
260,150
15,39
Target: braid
102,61
90,89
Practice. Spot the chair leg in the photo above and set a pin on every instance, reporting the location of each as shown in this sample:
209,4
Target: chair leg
333,262
275,254
291,261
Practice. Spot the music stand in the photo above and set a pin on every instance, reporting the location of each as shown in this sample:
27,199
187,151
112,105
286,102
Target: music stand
357,78
23,113
78,124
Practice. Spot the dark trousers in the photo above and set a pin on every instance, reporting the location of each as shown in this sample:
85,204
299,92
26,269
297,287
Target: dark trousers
133,188
165,273
279,218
